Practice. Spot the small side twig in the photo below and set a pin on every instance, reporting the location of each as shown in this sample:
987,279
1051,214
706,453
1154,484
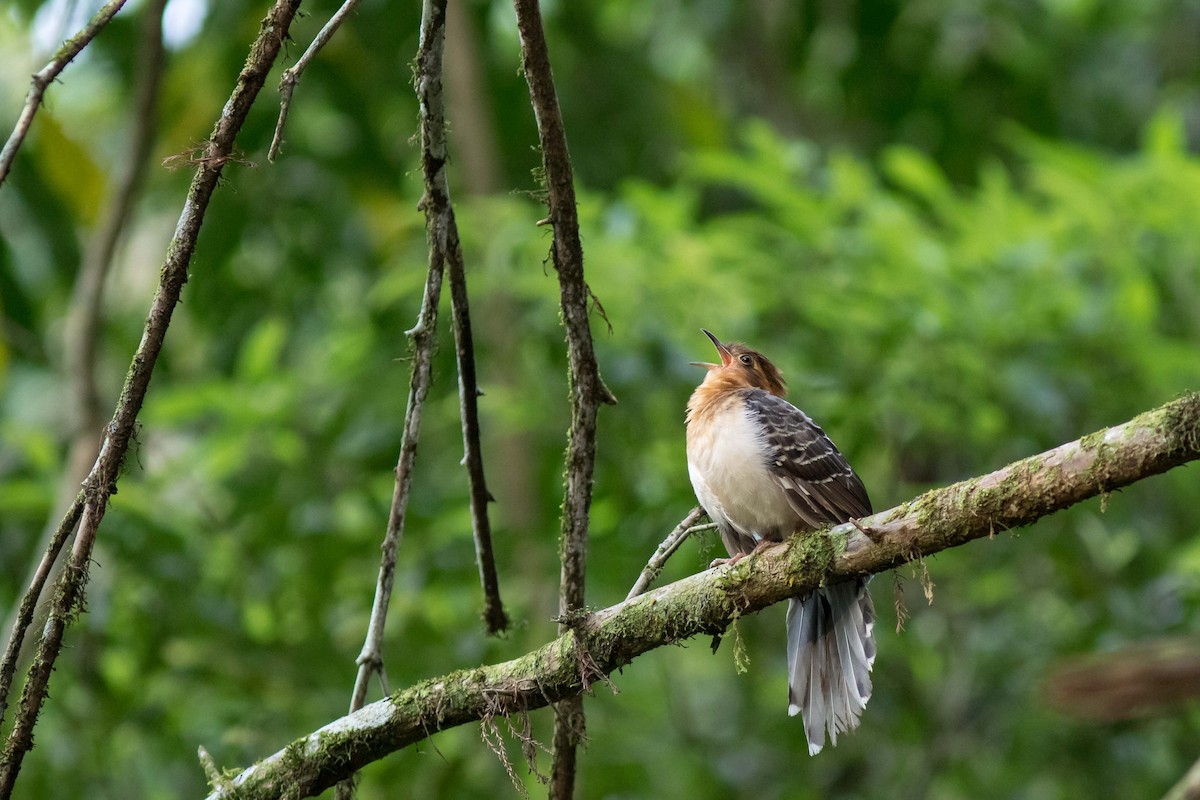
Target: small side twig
291,75
437,203
686,527
46,75
101,482
215,779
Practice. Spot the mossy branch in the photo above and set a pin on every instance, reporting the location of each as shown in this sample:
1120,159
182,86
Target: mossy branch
708,602
101,482
586,389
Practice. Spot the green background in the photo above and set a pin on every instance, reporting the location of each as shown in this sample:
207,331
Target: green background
966,232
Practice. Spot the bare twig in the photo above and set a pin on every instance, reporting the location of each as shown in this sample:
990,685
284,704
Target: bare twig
370,660
101,482
586,389
46,75
291,76
707,603
468,396
440,218
686,527
435,203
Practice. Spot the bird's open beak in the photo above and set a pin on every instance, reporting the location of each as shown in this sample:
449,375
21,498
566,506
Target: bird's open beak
721,350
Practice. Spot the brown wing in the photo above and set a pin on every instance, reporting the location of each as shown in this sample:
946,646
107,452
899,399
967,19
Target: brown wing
818,481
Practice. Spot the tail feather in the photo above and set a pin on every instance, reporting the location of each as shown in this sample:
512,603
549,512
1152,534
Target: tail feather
831,648
850,699
807,674
862,645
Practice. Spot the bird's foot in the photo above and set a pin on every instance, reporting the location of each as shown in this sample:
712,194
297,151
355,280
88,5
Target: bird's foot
758,547
720,562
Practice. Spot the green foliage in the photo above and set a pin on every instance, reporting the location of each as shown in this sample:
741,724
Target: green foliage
942,76
936,327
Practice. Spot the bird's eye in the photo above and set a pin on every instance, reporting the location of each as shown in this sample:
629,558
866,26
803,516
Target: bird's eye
747,360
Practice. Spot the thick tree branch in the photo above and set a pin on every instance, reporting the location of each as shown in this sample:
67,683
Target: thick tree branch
46,75
587,391
101,482
708,602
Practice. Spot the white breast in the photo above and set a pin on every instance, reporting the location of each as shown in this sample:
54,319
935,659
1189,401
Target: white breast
728,467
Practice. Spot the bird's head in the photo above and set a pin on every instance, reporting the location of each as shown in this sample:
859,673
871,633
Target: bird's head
742,367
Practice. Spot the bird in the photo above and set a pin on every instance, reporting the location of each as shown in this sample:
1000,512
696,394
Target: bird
763,470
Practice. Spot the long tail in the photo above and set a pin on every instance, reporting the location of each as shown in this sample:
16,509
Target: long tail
831,647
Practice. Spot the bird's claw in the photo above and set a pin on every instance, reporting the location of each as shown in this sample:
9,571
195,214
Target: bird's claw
720,562
758,547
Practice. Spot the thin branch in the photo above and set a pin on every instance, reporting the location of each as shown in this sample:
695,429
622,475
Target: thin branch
468,397
440,218
46,75
83,323
586,389
291,76
686,527
707,603
82,331
24,615
101,482
370,659
436,204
